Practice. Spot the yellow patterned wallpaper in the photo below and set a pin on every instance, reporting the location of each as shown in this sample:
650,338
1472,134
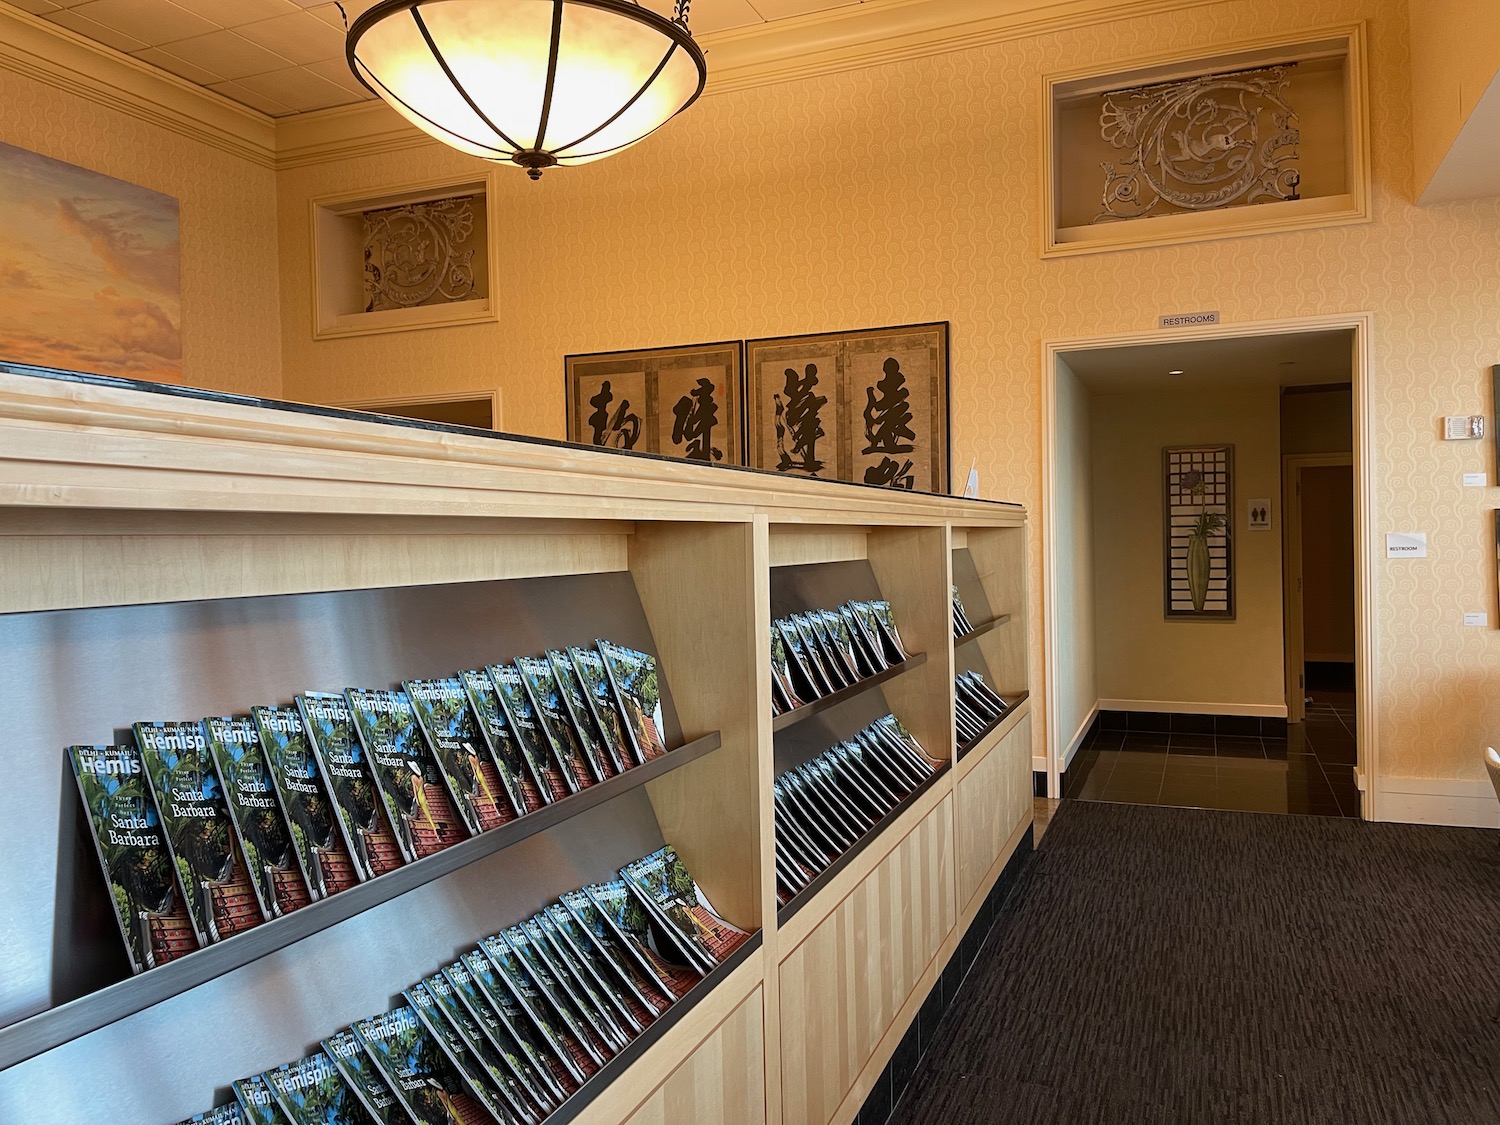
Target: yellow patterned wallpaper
909,192
231,314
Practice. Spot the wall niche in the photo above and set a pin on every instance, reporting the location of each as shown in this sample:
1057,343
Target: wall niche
1266,136
418,256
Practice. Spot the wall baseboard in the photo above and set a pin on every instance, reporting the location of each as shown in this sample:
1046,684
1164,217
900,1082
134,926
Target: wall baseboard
1420,800
1257,710
1078,736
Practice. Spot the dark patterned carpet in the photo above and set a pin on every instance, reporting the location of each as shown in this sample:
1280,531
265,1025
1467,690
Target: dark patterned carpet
1161,966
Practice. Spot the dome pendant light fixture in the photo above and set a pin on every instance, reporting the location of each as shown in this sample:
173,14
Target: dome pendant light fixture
536,83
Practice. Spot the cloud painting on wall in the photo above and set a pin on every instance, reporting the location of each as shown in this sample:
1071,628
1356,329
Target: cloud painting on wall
89,270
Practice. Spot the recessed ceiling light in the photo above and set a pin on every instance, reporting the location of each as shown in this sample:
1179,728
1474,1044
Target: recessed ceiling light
1177,371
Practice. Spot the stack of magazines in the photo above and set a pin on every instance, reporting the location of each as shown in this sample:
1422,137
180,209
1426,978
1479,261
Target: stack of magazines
512,1028
817,653
826,805
977,706
961,626
209,827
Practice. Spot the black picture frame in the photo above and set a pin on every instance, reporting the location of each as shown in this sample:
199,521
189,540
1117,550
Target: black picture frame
848,383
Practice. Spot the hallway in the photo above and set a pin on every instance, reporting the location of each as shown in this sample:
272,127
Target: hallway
1181,967
1306,768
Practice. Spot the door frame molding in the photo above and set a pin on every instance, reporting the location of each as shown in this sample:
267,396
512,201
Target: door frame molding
1294,618
1361,326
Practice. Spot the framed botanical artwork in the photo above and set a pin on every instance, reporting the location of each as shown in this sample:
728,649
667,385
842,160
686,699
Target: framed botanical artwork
682,402
1198,527
868,406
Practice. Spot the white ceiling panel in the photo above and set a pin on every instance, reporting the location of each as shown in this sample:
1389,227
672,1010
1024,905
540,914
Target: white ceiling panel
287,56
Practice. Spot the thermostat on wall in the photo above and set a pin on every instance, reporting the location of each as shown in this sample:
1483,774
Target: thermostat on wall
1463,427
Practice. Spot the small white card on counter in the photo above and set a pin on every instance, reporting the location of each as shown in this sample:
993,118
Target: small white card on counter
1406,545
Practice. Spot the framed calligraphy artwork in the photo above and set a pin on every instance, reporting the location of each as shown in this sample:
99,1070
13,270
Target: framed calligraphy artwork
684,402
868,406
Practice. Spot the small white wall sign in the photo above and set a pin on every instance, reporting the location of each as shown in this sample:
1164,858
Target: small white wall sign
1476,480
1406,545
1260,515
1188,320
1481,620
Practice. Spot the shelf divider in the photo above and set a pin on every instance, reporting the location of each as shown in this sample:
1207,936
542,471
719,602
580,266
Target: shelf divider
979,631
810,892
808,710
33,1035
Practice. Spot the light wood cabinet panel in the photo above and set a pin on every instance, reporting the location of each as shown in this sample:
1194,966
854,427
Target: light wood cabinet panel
723,1081
993,800
842,988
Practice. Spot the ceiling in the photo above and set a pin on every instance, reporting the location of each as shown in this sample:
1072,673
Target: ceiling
287,56
1290,360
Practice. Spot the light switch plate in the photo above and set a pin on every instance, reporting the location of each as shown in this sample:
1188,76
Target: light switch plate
1482,620
1406,545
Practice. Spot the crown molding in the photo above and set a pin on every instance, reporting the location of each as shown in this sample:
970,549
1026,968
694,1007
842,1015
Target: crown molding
840,39
34,48
845,38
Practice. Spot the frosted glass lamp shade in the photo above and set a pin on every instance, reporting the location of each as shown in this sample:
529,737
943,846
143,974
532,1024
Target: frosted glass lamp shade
537,83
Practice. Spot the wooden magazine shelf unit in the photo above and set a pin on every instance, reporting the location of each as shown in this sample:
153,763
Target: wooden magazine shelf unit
169,554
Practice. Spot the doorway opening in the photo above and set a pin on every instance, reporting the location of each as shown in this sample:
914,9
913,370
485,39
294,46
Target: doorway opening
1257,706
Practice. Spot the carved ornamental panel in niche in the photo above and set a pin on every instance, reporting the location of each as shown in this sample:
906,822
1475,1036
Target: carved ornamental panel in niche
1220,140
421,254
404,258
1271,135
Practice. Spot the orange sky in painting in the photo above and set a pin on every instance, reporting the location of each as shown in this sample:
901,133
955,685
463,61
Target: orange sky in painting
88,271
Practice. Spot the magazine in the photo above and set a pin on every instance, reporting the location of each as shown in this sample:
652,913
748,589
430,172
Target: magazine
265,843
822,665
636,680
625,912
607,1013
570,939
632,966
522,785
443,712
601,700
312,1091
373,1092
670,889
593,1028
362,821
195,818
866,639
554,1065
781,673
304,798
413,795
584,721
521,717
807,677
142,879
527,1064
961,626
416,1070
230,1114
257,1102
559,1028
493,1090
842,643
554,722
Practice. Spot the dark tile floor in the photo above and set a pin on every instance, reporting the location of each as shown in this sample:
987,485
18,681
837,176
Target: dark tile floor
1310,771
